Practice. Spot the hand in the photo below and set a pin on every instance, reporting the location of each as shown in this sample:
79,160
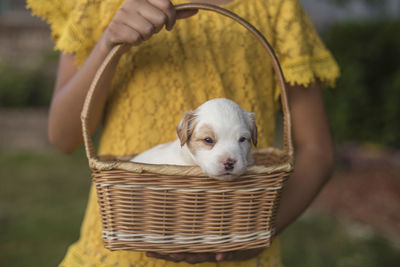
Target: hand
204,257
137,20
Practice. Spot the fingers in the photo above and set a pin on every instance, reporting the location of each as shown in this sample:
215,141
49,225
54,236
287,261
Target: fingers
168,9
139,25
147,16
192,258
226,256
138,20
175,257
238,255
199,257
154,16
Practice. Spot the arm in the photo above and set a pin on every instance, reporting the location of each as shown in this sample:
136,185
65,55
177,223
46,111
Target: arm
313,152
72,84
136,21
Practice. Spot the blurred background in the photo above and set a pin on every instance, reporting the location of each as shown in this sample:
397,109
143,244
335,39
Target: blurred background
355,221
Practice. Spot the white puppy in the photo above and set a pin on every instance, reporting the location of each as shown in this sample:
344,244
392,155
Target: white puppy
217,136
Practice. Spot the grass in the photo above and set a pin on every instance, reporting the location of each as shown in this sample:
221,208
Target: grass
320,240
43,198
42,201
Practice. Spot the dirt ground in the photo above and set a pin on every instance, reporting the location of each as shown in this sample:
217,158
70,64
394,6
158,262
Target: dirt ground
365,187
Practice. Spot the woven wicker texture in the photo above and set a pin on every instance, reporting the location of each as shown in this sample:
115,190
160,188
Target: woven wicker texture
170,209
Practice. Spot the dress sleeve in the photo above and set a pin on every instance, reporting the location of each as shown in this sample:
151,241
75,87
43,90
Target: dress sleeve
75,25
302,54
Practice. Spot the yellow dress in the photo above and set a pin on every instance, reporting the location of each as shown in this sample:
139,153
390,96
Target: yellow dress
203,57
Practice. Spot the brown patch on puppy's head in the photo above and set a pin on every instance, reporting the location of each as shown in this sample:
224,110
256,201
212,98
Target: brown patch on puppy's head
186,127
253,128
203,138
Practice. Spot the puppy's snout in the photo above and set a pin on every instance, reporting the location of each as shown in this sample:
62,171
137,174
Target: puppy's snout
229,164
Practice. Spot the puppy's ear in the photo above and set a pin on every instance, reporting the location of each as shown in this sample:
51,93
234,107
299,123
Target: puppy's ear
185,128
253,127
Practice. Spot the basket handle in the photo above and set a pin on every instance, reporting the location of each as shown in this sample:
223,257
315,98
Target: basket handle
287,139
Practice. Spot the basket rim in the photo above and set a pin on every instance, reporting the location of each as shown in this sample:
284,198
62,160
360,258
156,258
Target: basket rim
98,164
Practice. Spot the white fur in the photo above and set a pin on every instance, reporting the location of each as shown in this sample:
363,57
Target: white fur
229,123
169,153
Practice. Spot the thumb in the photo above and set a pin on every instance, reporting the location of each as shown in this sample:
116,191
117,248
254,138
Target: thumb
183,14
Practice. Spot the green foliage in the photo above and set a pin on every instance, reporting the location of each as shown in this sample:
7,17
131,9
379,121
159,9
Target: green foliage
364,106
20,87
42,201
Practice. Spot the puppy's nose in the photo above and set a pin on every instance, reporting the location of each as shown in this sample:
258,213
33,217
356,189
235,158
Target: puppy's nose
229,164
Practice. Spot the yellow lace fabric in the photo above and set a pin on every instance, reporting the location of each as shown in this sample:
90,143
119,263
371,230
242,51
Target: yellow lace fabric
203,57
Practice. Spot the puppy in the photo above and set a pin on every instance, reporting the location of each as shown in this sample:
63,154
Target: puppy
217,136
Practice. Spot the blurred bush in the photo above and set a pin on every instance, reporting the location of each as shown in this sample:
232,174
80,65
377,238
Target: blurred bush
365,105
319,240
21,86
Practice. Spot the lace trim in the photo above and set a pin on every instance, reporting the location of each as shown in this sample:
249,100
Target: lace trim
71,23
305,70
64,32
56,15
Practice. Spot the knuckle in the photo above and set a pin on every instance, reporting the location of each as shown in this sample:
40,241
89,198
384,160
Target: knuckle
158,23
122,11
162,19
130,3
114,39
149,29
164,4
131,6
135,39
114,36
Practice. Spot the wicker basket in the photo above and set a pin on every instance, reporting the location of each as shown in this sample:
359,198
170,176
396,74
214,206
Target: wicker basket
171,209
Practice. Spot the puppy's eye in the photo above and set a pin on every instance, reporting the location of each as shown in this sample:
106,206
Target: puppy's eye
209,140
242,139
